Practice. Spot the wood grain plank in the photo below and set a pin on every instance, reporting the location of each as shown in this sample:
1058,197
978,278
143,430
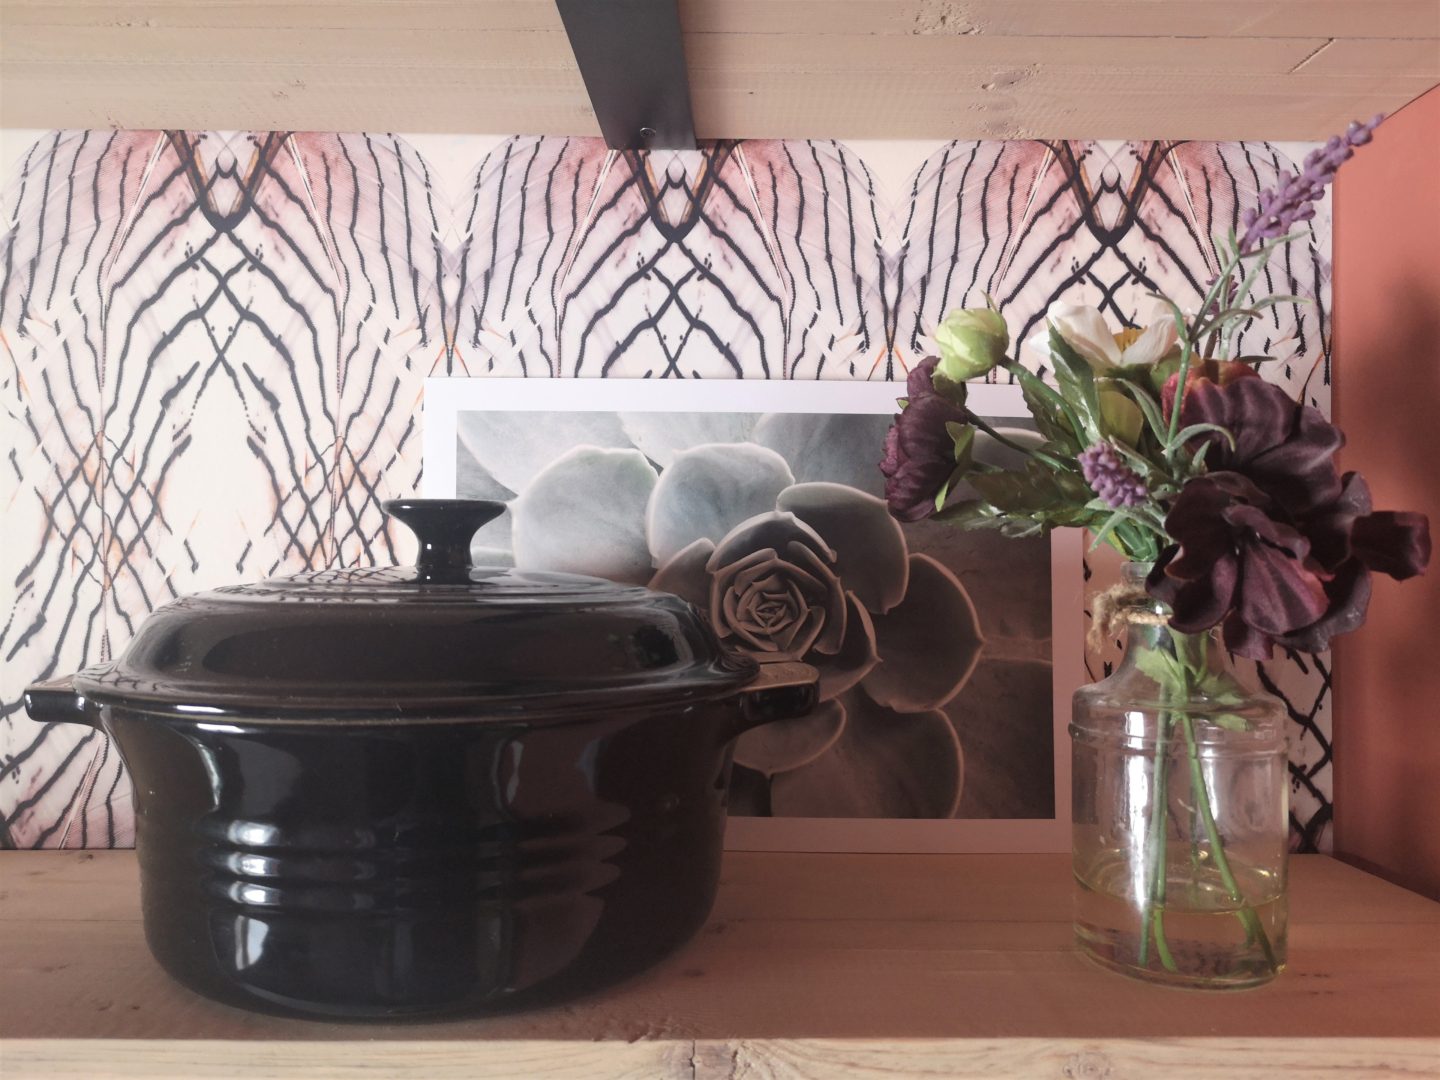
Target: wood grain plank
1344,56
290,98
250,48
788,68
521,50
1045,1059
1111,18
1207,108
916,55
773,105
840,1059
132,1059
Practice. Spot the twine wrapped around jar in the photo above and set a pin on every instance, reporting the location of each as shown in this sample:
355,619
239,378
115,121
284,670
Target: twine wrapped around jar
1115,607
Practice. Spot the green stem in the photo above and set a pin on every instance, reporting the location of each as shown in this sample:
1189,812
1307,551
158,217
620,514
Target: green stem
1162,947
1049,459
1189,336
1247,283
1245,913
1195,841
1152,917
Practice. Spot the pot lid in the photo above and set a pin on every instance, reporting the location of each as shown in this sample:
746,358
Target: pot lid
442,637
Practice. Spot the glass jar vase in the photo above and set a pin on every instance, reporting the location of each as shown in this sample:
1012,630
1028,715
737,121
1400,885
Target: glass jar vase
1180,809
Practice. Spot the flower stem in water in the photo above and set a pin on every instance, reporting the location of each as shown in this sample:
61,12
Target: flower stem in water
1153,916
1254,929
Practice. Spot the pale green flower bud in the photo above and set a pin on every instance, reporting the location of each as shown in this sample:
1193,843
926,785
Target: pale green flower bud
1120,417
971,341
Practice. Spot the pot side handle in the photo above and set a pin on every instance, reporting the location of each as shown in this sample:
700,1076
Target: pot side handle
56,701
782,691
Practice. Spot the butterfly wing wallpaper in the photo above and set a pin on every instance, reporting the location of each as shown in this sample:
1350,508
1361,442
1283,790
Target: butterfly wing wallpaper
213,345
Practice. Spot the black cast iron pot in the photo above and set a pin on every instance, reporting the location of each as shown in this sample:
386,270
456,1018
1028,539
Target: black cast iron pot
403,791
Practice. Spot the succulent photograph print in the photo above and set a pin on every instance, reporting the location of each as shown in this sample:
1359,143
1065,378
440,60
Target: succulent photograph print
934,682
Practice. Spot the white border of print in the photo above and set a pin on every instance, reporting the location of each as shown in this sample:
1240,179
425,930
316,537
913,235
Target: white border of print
446,398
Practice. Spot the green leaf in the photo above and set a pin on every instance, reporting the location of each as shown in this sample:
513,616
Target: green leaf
1051,423
971,514
1103,535
1035,488
1186,434
963,436
1219,688
1025,502
1160,666
1229,721
1047,407
1148,406
1077,385
1135,542
1020,528
956,475
1226,314
1141,464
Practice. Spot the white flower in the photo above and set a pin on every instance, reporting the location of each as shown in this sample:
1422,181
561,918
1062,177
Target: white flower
1085,330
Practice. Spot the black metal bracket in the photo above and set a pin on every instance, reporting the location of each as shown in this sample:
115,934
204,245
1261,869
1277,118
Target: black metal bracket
633,63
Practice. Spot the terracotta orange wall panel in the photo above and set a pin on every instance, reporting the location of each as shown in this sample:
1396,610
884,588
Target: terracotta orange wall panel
1387,397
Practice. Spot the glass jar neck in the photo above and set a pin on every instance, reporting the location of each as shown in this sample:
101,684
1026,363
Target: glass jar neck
1172,683
1147,629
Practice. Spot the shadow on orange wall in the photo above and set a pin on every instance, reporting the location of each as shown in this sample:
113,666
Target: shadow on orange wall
1387,397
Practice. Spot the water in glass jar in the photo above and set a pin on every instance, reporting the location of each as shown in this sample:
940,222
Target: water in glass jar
1209,940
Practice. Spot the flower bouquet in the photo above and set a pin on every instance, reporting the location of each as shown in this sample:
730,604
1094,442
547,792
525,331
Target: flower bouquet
1243,536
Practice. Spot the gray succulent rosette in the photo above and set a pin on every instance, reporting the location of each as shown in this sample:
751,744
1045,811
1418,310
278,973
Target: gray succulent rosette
774,527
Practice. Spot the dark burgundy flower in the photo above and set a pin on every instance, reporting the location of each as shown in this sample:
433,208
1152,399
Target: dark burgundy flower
1286,448
1350,539
1234,563
1273,544
919,452
1394,542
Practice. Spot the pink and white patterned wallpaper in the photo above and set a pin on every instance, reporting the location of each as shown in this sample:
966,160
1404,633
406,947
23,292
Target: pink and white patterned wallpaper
212,345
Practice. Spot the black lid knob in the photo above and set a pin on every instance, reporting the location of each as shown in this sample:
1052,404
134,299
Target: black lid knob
444,528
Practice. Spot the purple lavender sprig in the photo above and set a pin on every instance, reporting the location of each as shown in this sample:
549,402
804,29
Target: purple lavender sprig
1110,478
1293,200
1229,293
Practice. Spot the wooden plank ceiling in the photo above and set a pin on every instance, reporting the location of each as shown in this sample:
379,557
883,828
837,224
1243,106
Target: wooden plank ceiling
1204,69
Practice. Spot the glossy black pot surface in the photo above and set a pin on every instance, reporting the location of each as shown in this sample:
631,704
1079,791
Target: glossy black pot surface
319,835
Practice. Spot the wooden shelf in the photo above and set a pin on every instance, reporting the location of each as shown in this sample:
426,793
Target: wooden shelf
823,966
1180,69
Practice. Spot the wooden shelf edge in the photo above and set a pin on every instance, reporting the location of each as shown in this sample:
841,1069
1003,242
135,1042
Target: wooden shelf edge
710,1059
